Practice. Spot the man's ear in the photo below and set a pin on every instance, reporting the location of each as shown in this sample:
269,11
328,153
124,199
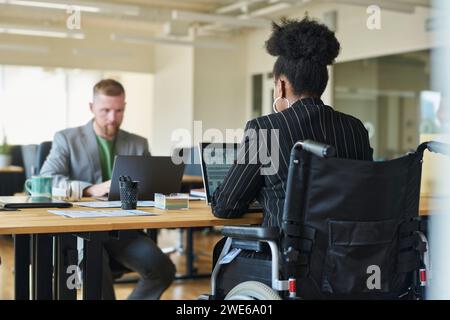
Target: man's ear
91,106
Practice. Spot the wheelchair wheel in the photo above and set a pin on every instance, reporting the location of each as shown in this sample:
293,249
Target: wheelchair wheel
252,290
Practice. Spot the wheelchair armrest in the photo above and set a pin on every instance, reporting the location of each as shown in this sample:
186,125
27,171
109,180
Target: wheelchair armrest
251,233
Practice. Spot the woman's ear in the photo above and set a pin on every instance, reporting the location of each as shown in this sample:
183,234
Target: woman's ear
283,88
277,89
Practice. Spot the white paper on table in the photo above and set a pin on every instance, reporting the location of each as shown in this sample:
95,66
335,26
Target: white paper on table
111,204
101,213
127,213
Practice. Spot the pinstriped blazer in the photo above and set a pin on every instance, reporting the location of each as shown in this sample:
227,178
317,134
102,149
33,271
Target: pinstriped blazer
263,177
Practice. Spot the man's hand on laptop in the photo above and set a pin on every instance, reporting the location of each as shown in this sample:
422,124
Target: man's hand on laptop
98,190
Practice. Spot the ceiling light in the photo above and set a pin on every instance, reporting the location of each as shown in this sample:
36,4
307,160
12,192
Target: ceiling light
92,7
51,5
51,33
237,6
270,9
24,48
218,19
403,7
172,41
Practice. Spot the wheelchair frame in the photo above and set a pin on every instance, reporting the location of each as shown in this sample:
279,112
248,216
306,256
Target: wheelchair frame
251,237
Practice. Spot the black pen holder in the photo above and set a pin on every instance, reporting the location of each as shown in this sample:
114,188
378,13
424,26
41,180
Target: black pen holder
128,194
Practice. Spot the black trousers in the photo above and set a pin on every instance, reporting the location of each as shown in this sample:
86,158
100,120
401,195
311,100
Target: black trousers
137,252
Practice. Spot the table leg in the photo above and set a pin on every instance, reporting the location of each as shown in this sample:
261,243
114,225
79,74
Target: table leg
22,266
66,267
92,267
42,266
191,271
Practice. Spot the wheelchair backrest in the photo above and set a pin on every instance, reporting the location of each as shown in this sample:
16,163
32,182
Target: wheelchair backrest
349,226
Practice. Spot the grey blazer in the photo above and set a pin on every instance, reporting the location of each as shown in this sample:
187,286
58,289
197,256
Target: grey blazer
75,155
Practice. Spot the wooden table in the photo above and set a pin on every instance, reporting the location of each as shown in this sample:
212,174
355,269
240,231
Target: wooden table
36,221
11,169
41,227
433,205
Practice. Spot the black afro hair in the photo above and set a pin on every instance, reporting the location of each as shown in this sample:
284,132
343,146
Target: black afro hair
305,40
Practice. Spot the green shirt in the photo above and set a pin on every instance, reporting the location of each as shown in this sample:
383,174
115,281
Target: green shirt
107,152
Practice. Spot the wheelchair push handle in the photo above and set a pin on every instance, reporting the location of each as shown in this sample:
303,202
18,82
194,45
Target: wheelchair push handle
436,147
319,149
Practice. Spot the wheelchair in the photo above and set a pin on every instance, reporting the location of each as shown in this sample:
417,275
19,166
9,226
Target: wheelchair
350,230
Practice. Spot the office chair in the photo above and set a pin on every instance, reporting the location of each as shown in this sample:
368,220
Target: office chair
12,182
350,230
29,156
42,152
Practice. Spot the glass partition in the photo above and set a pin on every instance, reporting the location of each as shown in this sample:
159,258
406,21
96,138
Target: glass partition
392,96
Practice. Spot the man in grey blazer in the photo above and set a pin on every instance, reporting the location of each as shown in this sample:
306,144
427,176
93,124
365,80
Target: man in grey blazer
75,153
85,155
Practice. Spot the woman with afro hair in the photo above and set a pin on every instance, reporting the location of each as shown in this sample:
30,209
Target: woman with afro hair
303,49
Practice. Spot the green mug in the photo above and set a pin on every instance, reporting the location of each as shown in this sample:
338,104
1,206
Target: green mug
39,186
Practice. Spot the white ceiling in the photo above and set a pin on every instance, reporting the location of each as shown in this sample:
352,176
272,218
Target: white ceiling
152,17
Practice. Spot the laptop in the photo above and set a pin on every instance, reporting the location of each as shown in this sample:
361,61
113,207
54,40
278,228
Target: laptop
216,161
155,175
32,202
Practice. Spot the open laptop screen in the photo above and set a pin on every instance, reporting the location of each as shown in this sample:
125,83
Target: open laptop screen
155,174
217,159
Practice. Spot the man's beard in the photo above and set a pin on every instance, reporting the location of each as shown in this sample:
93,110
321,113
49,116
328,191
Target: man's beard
108,130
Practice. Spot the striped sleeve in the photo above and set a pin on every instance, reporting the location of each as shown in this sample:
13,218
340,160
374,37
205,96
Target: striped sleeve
243,181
